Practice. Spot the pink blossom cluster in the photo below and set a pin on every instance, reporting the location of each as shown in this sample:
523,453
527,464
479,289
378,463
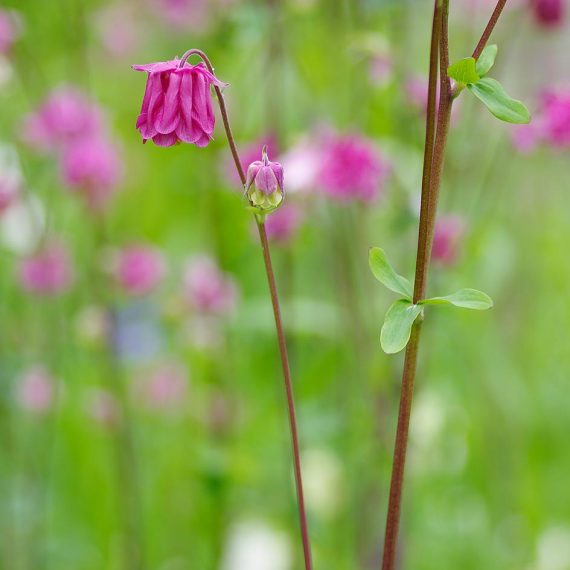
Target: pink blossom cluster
138,269
71,126
550,123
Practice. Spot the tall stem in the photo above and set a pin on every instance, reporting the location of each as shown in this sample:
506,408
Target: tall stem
434,154
278,322
289,393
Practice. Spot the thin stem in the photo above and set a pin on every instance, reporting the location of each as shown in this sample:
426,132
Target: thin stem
276,314
289,393
489,28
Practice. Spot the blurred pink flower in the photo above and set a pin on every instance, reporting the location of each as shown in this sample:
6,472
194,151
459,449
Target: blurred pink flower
102,406
139,269
165,387
47,272
249,153
9,192
548,13
192,15
380,70
550,123
177,104
65,116
447,237
36,390
303,164
352,168
119,29
93,168
10,29
207,289
282,224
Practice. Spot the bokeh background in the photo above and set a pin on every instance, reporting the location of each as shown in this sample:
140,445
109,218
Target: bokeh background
142,413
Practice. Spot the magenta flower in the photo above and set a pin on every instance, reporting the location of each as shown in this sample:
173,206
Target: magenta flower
177,104
548,13
10,30
66,116
93,168
47,272
139,269
207,289
36,391
352,168
447,237
248,154
282,224
264,185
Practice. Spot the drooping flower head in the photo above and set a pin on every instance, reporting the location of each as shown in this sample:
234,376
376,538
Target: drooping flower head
207,289
138,269
548,13
93,168
47,272
264,185
352,168
177,104
66,116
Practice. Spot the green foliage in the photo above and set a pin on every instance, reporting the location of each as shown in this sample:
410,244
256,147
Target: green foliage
386,274
464,298
486,60
496,99
464,71
397,325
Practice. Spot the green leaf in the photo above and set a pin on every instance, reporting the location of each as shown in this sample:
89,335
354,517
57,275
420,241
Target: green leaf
495,98
464,71
385,273
397,325
464,298
486,60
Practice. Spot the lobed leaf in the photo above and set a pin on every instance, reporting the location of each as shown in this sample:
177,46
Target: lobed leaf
385,273
397,326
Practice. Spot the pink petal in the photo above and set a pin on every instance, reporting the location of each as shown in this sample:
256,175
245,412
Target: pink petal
168,121
165,140
265,181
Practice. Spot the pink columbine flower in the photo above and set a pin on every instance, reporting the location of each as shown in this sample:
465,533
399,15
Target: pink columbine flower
36,391
264,185
248,154
548,13
177,104
207,289
10,30
47,272
352,168
93,168
447,237
282,224
139,269
66,116
165,387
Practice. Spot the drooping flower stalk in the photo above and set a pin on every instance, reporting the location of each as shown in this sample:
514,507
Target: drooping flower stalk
437,128
260,219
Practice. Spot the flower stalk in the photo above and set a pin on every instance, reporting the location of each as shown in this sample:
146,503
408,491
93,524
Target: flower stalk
437,128
260,220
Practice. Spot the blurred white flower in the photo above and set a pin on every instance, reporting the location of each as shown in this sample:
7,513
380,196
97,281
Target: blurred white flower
254,545
553,549
23,225
323,481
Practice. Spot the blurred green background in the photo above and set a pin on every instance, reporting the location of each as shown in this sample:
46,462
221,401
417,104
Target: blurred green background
142,430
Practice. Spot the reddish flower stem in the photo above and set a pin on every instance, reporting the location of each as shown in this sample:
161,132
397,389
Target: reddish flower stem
434,155
278,322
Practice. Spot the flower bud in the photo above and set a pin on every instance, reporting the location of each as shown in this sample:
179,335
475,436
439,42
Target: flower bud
264,183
